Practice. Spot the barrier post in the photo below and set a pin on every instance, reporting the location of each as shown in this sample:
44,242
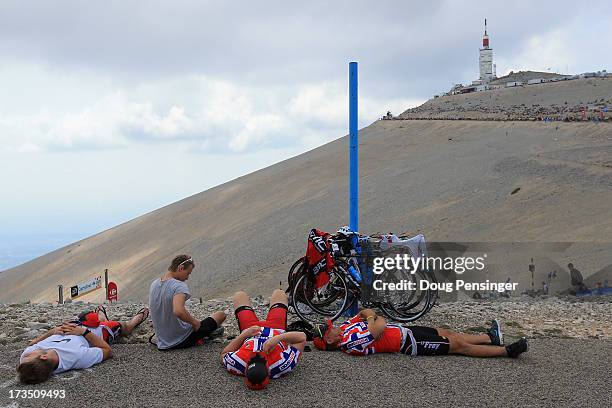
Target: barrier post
106,284
60,294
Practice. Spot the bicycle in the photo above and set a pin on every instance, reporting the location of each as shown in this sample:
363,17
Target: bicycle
350,281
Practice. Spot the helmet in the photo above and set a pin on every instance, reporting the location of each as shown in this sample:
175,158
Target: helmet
89,319
318,338
345,230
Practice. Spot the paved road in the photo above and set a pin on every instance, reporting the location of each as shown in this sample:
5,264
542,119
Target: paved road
555,372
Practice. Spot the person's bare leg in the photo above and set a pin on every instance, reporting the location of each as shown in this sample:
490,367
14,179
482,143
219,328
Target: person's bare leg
129,326
219,317
279,296
458,346
481,338
241,299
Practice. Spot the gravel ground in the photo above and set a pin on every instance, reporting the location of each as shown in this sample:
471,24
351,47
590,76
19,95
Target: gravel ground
548,317
567,364
555,372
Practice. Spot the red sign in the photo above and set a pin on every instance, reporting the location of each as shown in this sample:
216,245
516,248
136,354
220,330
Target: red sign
112,293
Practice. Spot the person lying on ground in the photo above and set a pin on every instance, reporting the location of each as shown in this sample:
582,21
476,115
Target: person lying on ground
175,327
366,333
264,349
73,345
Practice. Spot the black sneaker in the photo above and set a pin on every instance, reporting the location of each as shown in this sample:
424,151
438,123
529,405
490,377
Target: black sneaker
495,333
218,332
517,348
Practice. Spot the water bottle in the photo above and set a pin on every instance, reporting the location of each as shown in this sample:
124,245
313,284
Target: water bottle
355,273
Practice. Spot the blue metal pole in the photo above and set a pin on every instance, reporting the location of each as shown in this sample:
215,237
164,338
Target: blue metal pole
353,150
353,164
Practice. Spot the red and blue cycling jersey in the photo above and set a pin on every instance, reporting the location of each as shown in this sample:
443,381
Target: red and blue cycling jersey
281,360
357,340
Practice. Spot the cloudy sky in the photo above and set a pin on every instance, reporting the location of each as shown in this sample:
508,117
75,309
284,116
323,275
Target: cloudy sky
111,109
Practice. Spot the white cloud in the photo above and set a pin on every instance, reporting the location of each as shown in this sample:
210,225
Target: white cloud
541,52
173,124
325,103
573,46
219,112
199,112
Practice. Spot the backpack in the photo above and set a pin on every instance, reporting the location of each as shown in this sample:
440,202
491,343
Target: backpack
302,326
90,319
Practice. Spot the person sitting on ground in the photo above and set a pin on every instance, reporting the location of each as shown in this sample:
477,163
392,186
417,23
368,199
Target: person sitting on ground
366,333
577,280
174,326
264,349
73,345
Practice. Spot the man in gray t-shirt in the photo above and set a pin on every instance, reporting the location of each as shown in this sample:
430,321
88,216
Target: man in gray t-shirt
174,326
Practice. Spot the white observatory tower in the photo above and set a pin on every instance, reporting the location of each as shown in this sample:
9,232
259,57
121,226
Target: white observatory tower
486,58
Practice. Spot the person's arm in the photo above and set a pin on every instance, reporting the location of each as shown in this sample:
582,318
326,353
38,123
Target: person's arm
295,338
235,344
365,313
93,339
180,311
376,325
51,332
361,316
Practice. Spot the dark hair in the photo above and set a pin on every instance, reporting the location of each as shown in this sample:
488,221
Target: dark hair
35,371
180,260
256,372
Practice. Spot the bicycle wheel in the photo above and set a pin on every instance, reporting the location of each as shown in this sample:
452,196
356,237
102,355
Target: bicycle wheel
405,316
297,301
408,305
297,270
294,272
329,301
431,275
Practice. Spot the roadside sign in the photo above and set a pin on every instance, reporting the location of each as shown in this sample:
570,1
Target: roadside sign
112,294
86,287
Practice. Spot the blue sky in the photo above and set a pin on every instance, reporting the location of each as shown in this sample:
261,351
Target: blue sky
109,110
